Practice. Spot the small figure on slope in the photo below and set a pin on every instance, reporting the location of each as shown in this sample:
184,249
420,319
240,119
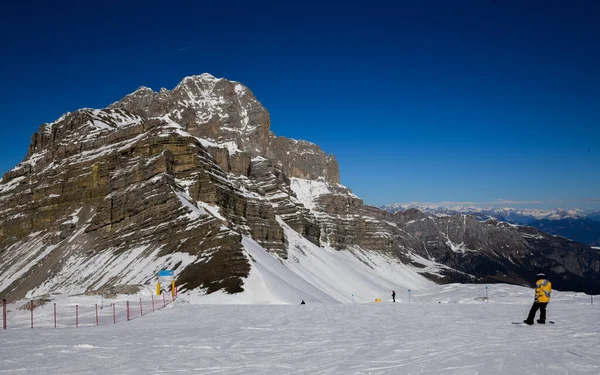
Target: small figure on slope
543,289
303,303
393,296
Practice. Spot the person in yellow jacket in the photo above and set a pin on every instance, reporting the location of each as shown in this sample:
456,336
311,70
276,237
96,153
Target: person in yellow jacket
543,289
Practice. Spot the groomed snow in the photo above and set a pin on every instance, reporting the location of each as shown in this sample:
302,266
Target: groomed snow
443,330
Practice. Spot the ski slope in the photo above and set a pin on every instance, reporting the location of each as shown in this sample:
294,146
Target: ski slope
439,329
443,330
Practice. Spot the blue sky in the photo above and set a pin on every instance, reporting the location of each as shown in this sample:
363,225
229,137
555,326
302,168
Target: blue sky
420,101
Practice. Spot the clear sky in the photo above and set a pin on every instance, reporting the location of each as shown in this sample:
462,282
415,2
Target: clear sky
420,101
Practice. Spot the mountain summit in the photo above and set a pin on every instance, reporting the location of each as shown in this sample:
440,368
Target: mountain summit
192,179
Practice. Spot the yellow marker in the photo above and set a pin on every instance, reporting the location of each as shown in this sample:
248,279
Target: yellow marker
173,290
158,288
377,299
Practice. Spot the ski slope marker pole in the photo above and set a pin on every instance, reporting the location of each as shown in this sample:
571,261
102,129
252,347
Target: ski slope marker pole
3,313
164,301
31,308
141,309
54,314
153,302
486,295
114,314
76,316
96,314
127,310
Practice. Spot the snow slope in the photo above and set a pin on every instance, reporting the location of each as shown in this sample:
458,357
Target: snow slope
443,330
316,274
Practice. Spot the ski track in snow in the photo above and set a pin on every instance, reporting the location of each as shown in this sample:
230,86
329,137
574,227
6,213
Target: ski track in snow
444,330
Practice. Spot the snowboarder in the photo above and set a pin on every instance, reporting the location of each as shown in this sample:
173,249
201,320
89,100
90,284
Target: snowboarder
303,303
543,289
393,296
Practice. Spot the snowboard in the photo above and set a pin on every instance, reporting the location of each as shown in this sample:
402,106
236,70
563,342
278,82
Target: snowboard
547,321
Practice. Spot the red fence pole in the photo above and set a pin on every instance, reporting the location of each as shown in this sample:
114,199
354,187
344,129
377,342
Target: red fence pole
3,313
54,314
153,302
141,308
31,308
127,310
96,314
114,314
76,316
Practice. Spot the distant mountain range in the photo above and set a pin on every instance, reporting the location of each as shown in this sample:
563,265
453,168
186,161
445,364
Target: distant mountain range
576,224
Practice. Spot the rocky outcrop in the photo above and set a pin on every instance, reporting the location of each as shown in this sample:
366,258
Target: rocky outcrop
493,251
127,197
303,160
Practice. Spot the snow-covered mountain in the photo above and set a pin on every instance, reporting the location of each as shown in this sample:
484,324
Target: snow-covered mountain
514,215
192,179
576,224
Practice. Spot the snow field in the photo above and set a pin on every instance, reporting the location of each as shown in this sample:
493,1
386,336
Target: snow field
444,330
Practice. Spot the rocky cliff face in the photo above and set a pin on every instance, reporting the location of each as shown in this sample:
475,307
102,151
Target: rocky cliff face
493,251
175,179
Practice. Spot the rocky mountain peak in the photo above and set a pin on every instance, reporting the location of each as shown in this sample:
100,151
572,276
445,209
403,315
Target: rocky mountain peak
204,79
228,114
212,108
142,90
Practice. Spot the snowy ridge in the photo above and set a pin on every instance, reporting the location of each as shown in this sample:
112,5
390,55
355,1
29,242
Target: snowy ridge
108,119
504,212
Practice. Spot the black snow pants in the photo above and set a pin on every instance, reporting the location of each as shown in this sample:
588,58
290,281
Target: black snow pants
542,307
